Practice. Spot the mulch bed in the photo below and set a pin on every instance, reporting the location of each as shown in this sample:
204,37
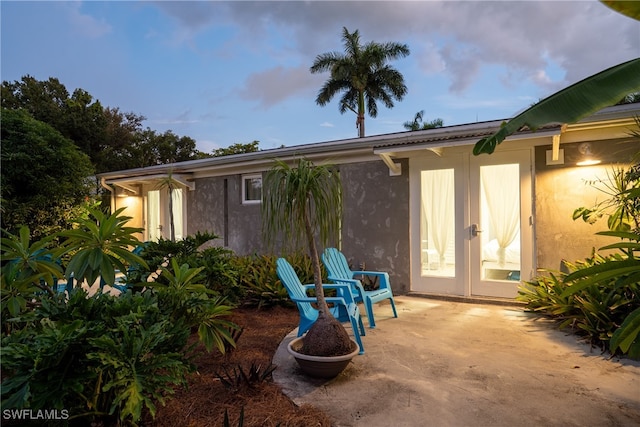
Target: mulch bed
205,400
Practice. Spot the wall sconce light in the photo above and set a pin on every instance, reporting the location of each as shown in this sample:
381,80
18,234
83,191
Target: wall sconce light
588,158
122,191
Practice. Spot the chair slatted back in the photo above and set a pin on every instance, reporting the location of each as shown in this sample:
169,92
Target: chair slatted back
292,283
336,264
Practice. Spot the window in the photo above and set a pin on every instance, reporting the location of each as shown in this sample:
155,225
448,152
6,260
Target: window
251,188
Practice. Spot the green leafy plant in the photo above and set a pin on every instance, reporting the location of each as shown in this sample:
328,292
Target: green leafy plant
620,205
236,333
256,276
186,251
625,337
623,271
31,258
182,298
593,309
620,275
602,295
99,246
237,377
132,370
103,358
28,271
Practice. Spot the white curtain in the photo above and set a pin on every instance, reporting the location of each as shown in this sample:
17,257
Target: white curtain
438,209
501,192
176,196
153,216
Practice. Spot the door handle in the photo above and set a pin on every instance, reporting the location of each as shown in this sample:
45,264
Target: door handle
475,230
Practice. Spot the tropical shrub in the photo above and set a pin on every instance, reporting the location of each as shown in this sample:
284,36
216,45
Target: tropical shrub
241,280
237,378
186,251
104,359
100,245
99,357
259,282
594,311
28,271
256,277
601,297
182,299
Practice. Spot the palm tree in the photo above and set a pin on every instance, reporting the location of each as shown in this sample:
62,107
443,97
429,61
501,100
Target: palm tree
363,75
302,203
419,124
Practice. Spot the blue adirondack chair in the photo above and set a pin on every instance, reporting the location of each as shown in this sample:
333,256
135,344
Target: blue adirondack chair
344,307
338,271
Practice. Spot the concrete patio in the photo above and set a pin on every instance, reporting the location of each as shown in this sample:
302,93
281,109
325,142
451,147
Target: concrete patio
446,363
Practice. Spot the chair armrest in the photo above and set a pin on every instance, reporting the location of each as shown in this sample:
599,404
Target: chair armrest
339,286
309,299
384,276
343,280
334,300
345,300
352,282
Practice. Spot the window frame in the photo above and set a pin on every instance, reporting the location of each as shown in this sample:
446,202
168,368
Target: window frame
246,178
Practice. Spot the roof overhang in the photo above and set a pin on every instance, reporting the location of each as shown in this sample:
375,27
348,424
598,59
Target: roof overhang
387,154
132,183
381,147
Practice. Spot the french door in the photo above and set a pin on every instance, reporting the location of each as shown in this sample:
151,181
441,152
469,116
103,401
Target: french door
471,223
158,217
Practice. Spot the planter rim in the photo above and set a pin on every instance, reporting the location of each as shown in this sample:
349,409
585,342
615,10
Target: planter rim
295,354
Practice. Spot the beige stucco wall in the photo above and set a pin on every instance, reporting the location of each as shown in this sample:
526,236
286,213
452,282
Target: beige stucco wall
134,209
560,189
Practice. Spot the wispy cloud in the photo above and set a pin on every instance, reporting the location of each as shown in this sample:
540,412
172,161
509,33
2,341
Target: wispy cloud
181,119
85,24
274,85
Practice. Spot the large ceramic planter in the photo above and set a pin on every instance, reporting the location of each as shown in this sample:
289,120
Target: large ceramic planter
320,366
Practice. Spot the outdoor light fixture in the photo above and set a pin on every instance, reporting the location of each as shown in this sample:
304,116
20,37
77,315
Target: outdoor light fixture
588,158
121,192
125,191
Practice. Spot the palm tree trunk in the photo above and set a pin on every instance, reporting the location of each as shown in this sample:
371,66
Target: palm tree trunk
323,308
172,228
361,114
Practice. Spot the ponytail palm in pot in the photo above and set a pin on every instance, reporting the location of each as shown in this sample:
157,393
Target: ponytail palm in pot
300,205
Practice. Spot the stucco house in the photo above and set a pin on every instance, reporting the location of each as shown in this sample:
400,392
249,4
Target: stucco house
417,204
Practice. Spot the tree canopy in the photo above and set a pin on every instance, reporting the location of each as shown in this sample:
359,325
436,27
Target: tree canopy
54,142
112,139
362,74
43,173
237,148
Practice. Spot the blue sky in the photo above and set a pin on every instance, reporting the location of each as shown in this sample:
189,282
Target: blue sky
234,72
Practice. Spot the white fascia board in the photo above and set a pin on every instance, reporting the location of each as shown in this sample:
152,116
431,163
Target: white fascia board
126,182
264,164
437,147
